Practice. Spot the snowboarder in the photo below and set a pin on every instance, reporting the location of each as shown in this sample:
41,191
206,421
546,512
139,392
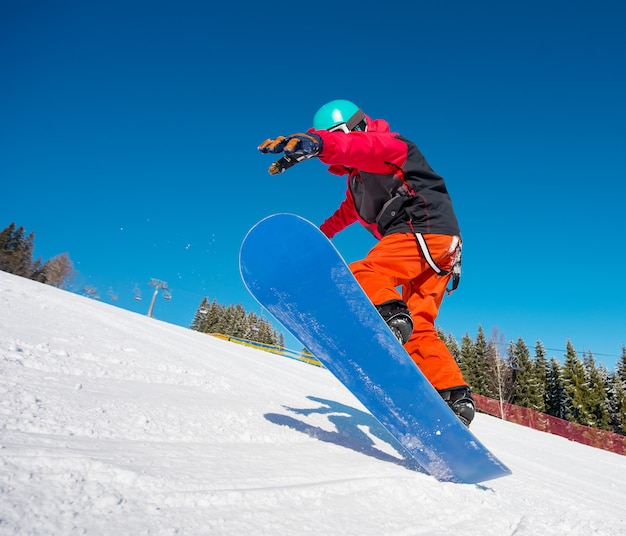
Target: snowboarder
393,192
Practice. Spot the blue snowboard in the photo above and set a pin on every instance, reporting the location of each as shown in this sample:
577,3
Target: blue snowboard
296,273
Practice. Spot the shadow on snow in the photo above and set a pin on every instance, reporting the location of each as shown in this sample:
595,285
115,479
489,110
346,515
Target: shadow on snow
349,423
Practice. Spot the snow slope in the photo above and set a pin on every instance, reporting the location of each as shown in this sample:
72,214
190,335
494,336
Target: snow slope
115,423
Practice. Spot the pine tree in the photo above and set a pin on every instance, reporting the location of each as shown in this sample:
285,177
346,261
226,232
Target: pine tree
200,315
555,397
239,326
621,409
225,321
527,391
266,334
8,255
16,251
540,372
441,334
621,366
253,327
472,368
467,350
209,324
576,388
616,397
596,409
452,345
38,271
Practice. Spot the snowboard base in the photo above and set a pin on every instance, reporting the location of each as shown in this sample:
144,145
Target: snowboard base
296,273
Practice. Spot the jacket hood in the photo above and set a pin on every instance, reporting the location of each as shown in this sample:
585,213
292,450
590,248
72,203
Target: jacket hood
377,125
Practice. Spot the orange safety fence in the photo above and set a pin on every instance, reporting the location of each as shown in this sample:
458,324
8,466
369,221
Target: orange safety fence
531,418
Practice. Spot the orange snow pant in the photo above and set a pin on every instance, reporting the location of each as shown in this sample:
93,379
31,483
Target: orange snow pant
397,261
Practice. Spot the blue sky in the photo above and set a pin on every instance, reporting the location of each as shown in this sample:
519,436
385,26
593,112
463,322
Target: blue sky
128,135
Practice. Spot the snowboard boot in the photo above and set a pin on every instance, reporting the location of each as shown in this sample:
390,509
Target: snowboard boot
461,402
398,318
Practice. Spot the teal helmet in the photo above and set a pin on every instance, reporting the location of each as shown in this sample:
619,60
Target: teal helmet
339,115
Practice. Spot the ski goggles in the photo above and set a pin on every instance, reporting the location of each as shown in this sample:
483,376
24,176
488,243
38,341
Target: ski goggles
356,122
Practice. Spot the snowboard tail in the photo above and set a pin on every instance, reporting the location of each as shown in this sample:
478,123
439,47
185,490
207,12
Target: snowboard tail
296,273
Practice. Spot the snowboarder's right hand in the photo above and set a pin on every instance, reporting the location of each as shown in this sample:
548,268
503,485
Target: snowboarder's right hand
304,144
297,147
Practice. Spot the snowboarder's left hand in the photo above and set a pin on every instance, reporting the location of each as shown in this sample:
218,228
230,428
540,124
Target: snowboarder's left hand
302,144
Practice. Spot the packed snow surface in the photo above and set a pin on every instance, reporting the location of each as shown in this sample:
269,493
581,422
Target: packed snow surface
116,423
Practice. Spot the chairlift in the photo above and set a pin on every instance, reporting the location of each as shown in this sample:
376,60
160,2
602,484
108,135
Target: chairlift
167,296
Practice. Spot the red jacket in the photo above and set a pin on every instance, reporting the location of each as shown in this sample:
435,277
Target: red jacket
391,187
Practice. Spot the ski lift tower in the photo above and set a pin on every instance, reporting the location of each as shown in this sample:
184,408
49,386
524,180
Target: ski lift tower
158,284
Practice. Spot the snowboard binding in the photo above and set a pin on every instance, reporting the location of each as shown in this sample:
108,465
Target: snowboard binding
461,402
398,317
